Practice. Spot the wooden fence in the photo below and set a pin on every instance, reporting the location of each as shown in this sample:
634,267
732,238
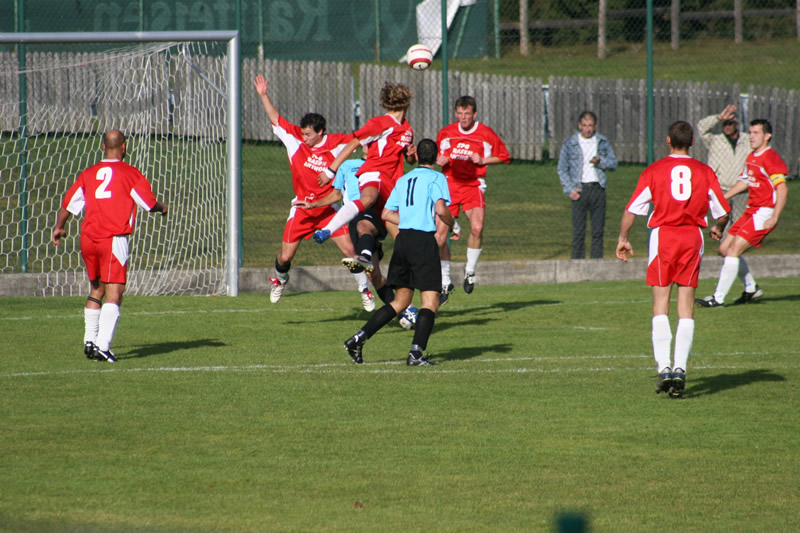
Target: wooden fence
532,117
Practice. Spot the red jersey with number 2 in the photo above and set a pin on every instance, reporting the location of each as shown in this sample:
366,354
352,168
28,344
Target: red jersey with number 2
682,190
110,191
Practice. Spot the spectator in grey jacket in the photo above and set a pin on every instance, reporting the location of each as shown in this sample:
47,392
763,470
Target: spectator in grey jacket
727,152
584,159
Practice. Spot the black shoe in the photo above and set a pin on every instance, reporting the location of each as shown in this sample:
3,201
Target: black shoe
358,264
748,297
678,383
108,355
416,359
664,381
88,349
353,345
708,301
469,282
445,294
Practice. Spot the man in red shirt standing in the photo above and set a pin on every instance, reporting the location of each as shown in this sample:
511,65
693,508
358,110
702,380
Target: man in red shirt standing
466,148
110,191
764,178
682,191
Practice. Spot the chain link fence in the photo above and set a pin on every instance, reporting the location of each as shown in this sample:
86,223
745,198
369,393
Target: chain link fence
534,66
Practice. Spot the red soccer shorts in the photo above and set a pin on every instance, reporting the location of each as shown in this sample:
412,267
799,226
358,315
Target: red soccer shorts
675,253
303,222
466,194
750,226
106,259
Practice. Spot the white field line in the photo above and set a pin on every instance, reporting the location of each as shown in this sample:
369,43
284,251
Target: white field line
384,367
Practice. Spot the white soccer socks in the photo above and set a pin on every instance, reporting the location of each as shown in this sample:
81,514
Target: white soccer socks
91,322
473,254
662,341
684,336
109,315
727,275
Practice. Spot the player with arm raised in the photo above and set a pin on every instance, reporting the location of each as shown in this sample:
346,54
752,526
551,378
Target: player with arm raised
466,148
764,178
109,191
389,140
682,191
416,200
310,150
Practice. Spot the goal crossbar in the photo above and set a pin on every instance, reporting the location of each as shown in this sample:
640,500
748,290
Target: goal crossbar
232,38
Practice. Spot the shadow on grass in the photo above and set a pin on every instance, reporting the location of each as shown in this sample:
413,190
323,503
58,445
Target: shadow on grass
443,314
723,382
786,298
146,350
468,352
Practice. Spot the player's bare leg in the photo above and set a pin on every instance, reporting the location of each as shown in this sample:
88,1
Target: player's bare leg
283,262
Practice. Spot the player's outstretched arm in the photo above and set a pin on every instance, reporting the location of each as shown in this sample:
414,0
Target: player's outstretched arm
624,247
160,207
719,228
329,173
261,85
59,230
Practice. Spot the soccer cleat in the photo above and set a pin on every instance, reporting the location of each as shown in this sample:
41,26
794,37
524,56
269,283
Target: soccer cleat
367,300
107,355
445,294
88,349
678,383
408,317
358,263
353,345
276,291
322,235
416,359
748,297
708,301
664,381
469,282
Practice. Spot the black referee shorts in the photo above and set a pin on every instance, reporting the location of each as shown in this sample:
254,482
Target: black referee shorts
415,262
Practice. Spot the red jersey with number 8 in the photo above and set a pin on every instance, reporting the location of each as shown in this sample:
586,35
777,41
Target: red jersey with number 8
110,191
682,190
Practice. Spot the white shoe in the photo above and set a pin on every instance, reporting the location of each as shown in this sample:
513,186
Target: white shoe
367,300
277,290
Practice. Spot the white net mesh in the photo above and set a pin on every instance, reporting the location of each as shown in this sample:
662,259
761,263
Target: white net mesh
169,99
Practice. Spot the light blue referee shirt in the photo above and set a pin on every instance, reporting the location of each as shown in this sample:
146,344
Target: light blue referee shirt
346,180
414,197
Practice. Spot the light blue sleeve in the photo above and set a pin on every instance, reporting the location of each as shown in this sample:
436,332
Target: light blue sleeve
393,202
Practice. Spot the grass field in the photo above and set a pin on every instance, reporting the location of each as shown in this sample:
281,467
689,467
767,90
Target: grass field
527,215
233,414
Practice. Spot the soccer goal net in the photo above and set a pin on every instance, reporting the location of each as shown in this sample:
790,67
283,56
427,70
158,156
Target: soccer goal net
175,97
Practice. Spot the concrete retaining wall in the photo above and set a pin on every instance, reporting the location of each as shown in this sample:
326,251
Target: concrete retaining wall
331,278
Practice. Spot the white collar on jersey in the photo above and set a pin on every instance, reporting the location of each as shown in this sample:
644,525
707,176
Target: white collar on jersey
471,130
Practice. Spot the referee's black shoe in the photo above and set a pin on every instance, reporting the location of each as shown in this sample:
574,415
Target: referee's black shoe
416,359
353,345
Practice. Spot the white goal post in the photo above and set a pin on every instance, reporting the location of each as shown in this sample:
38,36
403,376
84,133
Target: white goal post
177,98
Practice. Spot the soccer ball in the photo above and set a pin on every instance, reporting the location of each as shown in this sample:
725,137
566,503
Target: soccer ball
409,317
419,57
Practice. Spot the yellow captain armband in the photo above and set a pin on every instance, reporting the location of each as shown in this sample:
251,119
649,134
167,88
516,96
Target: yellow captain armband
777,179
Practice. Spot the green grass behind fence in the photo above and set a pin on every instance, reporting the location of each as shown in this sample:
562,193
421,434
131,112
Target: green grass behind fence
233,414
527,215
